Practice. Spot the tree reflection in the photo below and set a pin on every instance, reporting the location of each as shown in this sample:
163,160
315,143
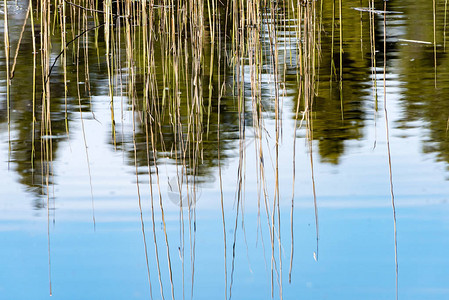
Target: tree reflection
33,148
339,111
424,96
192,143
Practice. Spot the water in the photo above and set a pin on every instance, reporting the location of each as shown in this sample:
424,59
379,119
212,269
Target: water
82,231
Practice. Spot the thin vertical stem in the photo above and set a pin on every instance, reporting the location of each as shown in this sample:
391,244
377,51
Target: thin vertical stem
434,42
8,79
388,148
445,24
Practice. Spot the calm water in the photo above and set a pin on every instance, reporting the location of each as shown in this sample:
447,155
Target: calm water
82,231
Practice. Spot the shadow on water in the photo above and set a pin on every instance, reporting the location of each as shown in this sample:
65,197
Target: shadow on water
189,88
339,115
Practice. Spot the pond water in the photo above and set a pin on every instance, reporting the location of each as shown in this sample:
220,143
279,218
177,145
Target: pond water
293,191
